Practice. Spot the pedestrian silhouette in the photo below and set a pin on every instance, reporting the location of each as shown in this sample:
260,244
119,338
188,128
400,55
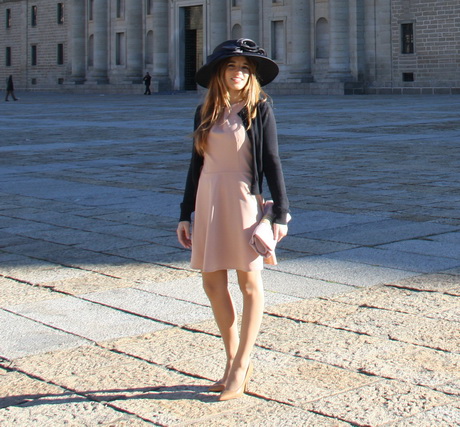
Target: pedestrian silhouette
147,80
10,88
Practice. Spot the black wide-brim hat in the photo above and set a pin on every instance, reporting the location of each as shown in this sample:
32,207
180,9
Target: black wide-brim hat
266,68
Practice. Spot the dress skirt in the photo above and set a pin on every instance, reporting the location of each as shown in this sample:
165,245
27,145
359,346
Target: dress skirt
226,213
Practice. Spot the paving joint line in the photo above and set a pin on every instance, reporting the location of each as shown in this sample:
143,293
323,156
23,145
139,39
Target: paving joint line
69,390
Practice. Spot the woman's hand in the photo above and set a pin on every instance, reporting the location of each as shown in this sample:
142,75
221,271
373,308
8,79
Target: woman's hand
279,231
183,234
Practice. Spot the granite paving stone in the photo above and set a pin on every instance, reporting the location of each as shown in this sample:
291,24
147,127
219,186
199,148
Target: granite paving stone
90,282
446,415
432,333
17,388
403,300
452,315
65,363
386,401
61,410
309,246
341,271
137,271
171,346
44,274
299,286
427,247
85,319
271,414
380,232
431,282
178,404
22,336
152,306
397,259
142,252
453,237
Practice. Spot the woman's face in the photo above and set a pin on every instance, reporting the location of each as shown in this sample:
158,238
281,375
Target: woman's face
237,74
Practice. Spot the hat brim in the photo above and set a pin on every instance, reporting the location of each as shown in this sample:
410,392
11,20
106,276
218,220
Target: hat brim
266,69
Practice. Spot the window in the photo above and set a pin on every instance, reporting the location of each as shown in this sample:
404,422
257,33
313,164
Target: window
149,48
90,9
408,77
149,7
60,13
33,54
237,31
8,57
322,38
8,18
120,49
120,8
60,54
407,38
33,16
236,3
91,51
278,40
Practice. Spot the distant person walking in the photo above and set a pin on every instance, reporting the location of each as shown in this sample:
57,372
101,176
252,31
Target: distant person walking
147,80
10,88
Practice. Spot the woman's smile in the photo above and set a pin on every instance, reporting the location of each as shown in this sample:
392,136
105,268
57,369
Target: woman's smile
237,74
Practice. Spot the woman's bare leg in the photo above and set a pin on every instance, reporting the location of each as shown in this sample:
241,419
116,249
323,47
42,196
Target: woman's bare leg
253,308
216,287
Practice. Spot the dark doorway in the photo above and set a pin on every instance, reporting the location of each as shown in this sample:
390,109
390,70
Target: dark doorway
190,65
193,44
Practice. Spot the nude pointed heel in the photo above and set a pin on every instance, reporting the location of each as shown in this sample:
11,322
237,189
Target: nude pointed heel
235,394
217,387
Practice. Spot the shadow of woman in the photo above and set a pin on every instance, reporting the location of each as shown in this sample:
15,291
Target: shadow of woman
176,392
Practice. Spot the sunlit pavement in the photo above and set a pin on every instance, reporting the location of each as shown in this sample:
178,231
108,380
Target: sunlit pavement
104,323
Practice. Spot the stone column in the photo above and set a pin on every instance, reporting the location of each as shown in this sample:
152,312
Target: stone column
250,20
217,25
78,17
134,43
101,40
300,57
339,51
160,44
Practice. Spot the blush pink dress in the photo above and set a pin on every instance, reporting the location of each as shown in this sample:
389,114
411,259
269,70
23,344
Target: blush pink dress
226,213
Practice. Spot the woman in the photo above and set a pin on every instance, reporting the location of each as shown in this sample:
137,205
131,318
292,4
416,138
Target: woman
235,147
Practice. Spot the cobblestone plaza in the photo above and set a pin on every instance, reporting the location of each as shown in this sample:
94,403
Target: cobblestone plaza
103,322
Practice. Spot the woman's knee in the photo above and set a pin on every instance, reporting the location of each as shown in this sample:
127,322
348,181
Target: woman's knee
250,284
215,282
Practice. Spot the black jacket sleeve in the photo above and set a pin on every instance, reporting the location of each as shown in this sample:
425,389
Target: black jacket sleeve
187,207
264,135
272,168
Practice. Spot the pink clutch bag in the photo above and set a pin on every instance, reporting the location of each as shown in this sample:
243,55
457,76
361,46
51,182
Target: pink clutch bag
262,240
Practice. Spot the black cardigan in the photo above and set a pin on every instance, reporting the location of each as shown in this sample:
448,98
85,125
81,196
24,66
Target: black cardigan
266,162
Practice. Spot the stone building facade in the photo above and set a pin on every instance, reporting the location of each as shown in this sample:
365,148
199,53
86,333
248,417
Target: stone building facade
321,46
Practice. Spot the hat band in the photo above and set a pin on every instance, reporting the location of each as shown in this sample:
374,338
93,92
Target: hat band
244,46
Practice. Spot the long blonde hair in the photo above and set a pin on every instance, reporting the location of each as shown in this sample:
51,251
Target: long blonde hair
217,100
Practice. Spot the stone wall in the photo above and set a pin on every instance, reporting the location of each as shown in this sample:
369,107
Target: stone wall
319,45
45,35
434,65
